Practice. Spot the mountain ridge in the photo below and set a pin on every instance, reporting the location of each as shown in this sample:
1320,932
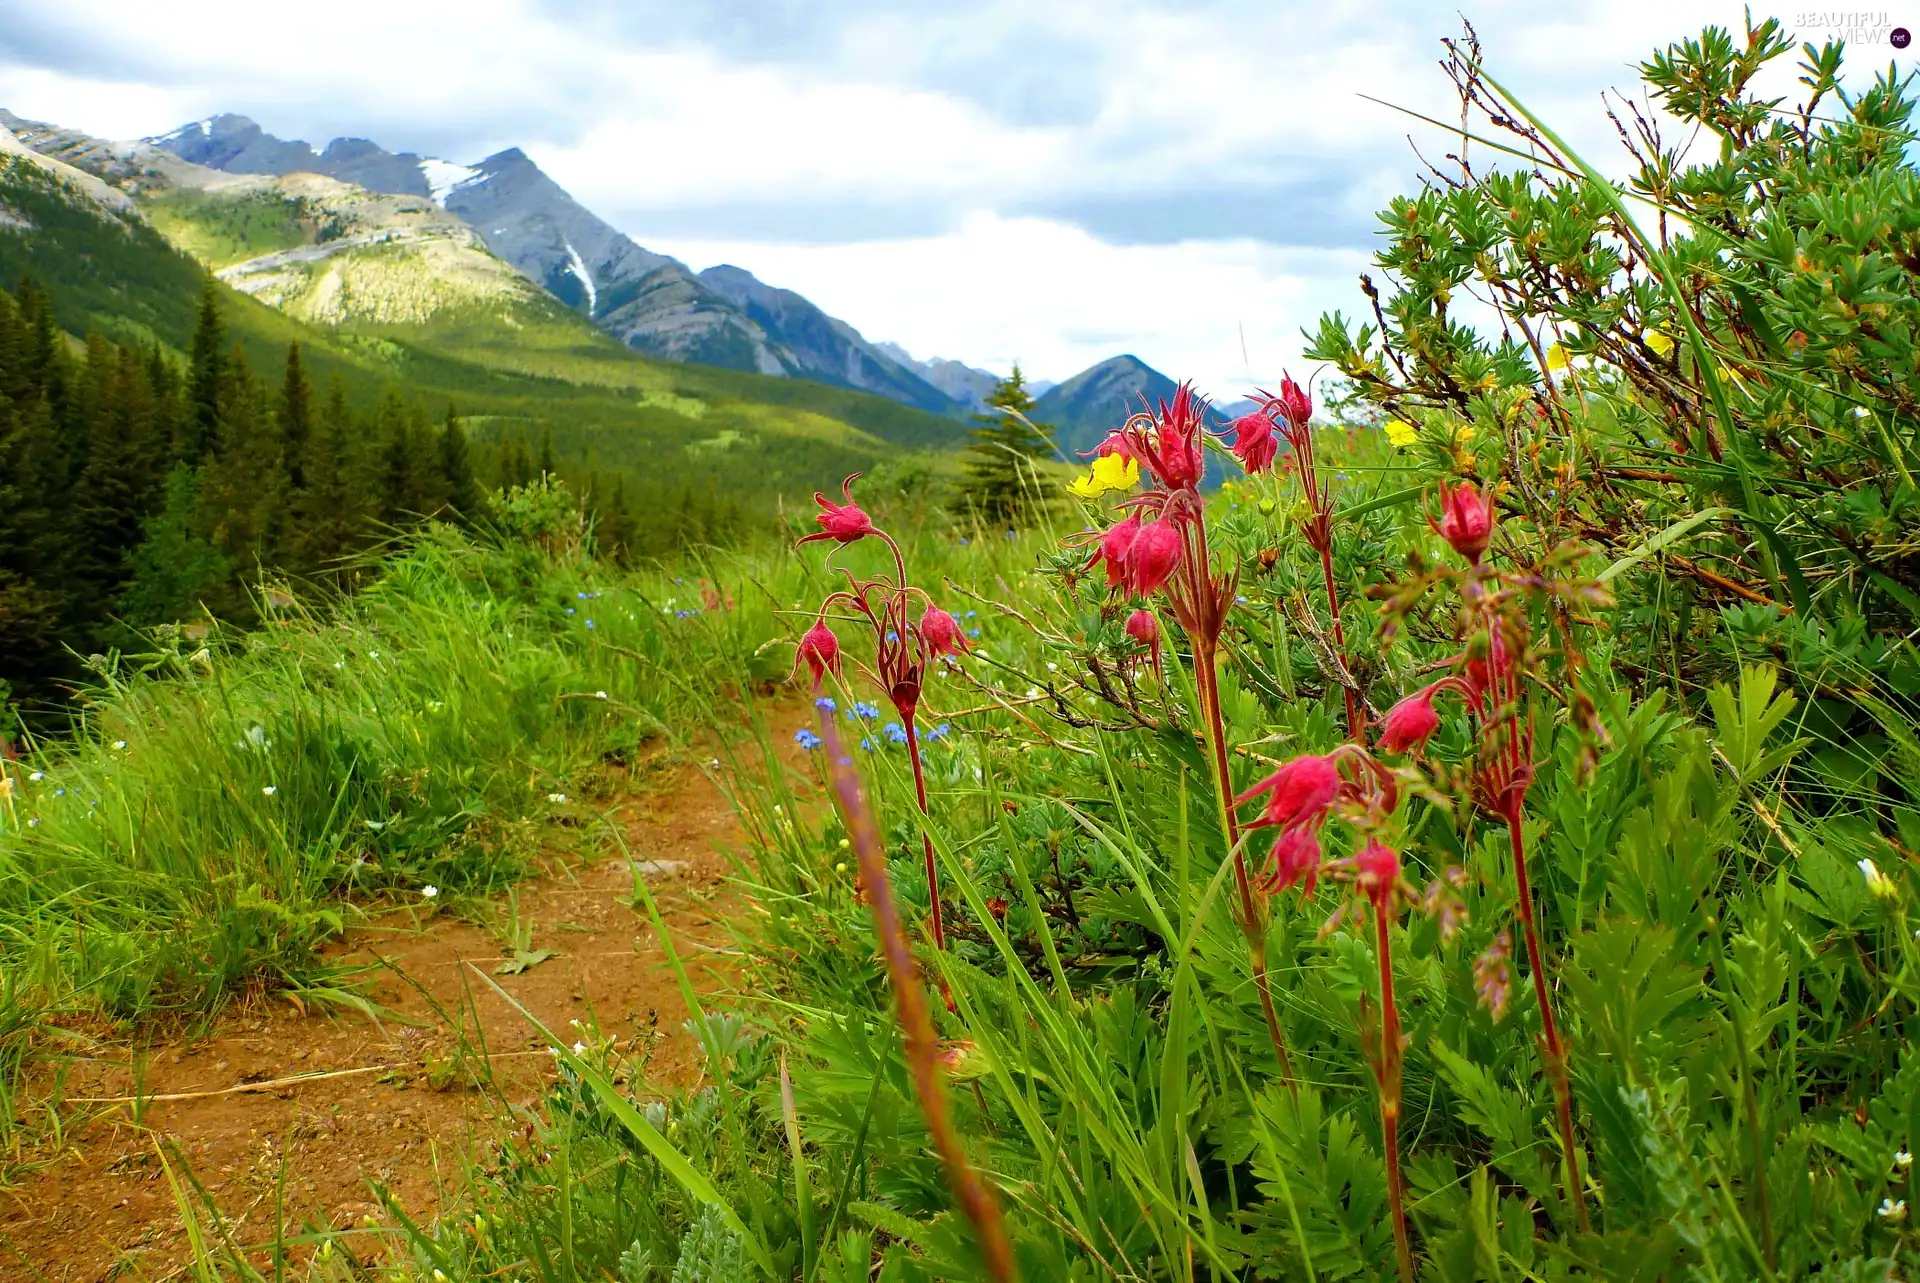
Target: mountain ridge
650,302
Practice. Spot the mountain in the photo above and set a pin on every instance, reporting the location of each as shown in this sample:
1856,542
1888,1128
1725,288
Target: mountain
826,348
237,145
652,303
1097,400
961,382
511,357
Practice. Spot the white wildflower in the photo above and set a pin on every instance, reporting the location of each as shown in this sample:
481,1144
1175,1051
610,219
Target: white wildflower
1902,1159
1893,1209
37,776
1877,882
120,745
599,694
558,799
579,1049
430,892
271,789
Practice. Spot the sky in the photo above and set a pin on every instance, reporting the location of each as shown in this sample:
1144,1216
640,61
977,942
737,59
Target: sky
988,180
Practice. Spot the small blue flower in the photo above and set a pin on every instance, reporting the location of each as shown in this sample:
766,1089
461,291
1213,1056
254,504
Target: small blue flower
964,542
970,614
825,704
892,636
867,744
863,711
570,610
1240,600
807,739
581,596
589,623
685,614
974,633
679,581
941,731
895,732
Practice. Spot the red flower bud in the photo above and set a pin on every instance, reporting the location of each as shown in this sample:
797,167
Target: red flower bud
821,649
1181,456
1153,556
1410,722
1115,545
1484,670
1296,859
1299,793
940,632
1254,443
1144,628
1466,520
1376,869
1294,402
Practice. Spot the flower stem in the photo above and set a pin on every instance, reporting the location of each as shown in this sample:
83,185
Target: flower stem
926,839
1388,1077
976,1200
1207,681
1555,1051
1355,730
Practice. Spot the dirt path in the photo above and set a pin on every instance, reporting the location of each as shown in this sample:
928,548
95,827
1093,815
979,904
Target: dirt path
400,1104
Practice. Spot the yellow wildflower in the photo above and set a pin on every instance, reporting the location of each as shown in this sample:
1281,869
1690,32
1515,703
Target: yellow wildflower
1401,434
1660,341
1557,357
1110,472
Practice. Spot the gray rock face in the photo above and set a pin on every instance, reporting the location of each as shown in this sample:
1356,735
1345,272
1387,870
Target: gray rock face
965,384
825,349
1097,400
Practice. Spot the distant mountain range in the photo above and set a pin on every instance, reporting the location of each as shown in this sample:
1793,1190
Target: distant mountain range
386,207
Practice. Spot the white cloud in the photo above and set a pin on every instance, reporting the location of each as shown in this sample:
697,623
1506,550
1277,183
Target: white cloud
1056,299
875,114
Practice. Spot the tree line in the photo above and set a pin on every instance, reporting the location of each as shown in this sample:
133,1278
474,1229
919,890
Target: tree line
138,489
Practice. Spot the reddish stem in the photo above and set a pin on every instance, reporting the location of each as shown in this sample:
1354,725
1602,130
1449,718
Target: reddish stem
976,1200
1555,1051
1387,1075
1355,730
926,839
1206,679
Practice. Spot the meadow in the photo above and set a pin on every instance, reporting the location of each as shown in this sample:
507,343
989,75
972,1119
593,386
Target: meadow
1473,840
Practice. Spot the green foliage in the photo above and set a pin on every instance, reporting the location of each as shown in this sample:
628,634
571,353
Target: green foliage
1003,482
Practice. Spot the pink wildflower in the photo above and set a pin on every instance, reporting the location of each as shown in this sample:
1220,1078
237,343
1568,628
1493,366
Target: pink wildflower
1115,545
1294,402
1153,556
1376,870
1299,793
1296,859
1466,520
1410,722
821,649
1254,443
941,632
843,522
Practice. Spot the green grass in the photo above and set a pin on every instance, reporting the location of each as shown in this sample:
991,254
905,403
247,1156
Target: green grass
221,229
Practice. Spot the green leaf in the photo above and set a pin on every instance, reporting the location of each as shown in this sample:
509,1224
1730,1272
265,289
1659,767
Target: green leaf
523,960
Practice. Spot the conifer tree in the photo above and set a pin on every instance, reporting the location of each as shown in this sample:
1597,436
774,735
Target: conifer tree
294,417
206,380
456,469
547,466
1002,482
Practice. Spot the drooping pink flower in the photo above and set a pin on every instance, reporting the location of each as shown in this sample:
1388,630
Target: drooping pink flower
1145,629
1466,519
1116,545
1294,402
1116,443
1410,722
1299,793
1376,870
844,522
941,632
1295,859
1153,556
821,649
1254,443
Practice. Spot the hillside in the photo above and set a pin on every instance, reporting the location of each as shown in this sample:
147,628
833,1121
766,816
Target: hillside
381,288
652,303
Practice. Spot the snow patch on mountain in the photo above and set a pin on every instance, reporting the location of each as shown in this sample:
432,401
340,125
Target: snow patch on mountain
443,176
581,274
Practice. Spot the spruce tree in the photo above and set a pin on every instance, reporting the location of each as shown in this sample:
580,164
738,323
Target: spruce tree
207,379
456,469
1002,481
294,417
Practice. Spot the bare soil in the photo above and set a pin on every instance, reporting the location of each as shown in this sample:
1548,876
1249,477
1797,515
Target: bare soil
328,1101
